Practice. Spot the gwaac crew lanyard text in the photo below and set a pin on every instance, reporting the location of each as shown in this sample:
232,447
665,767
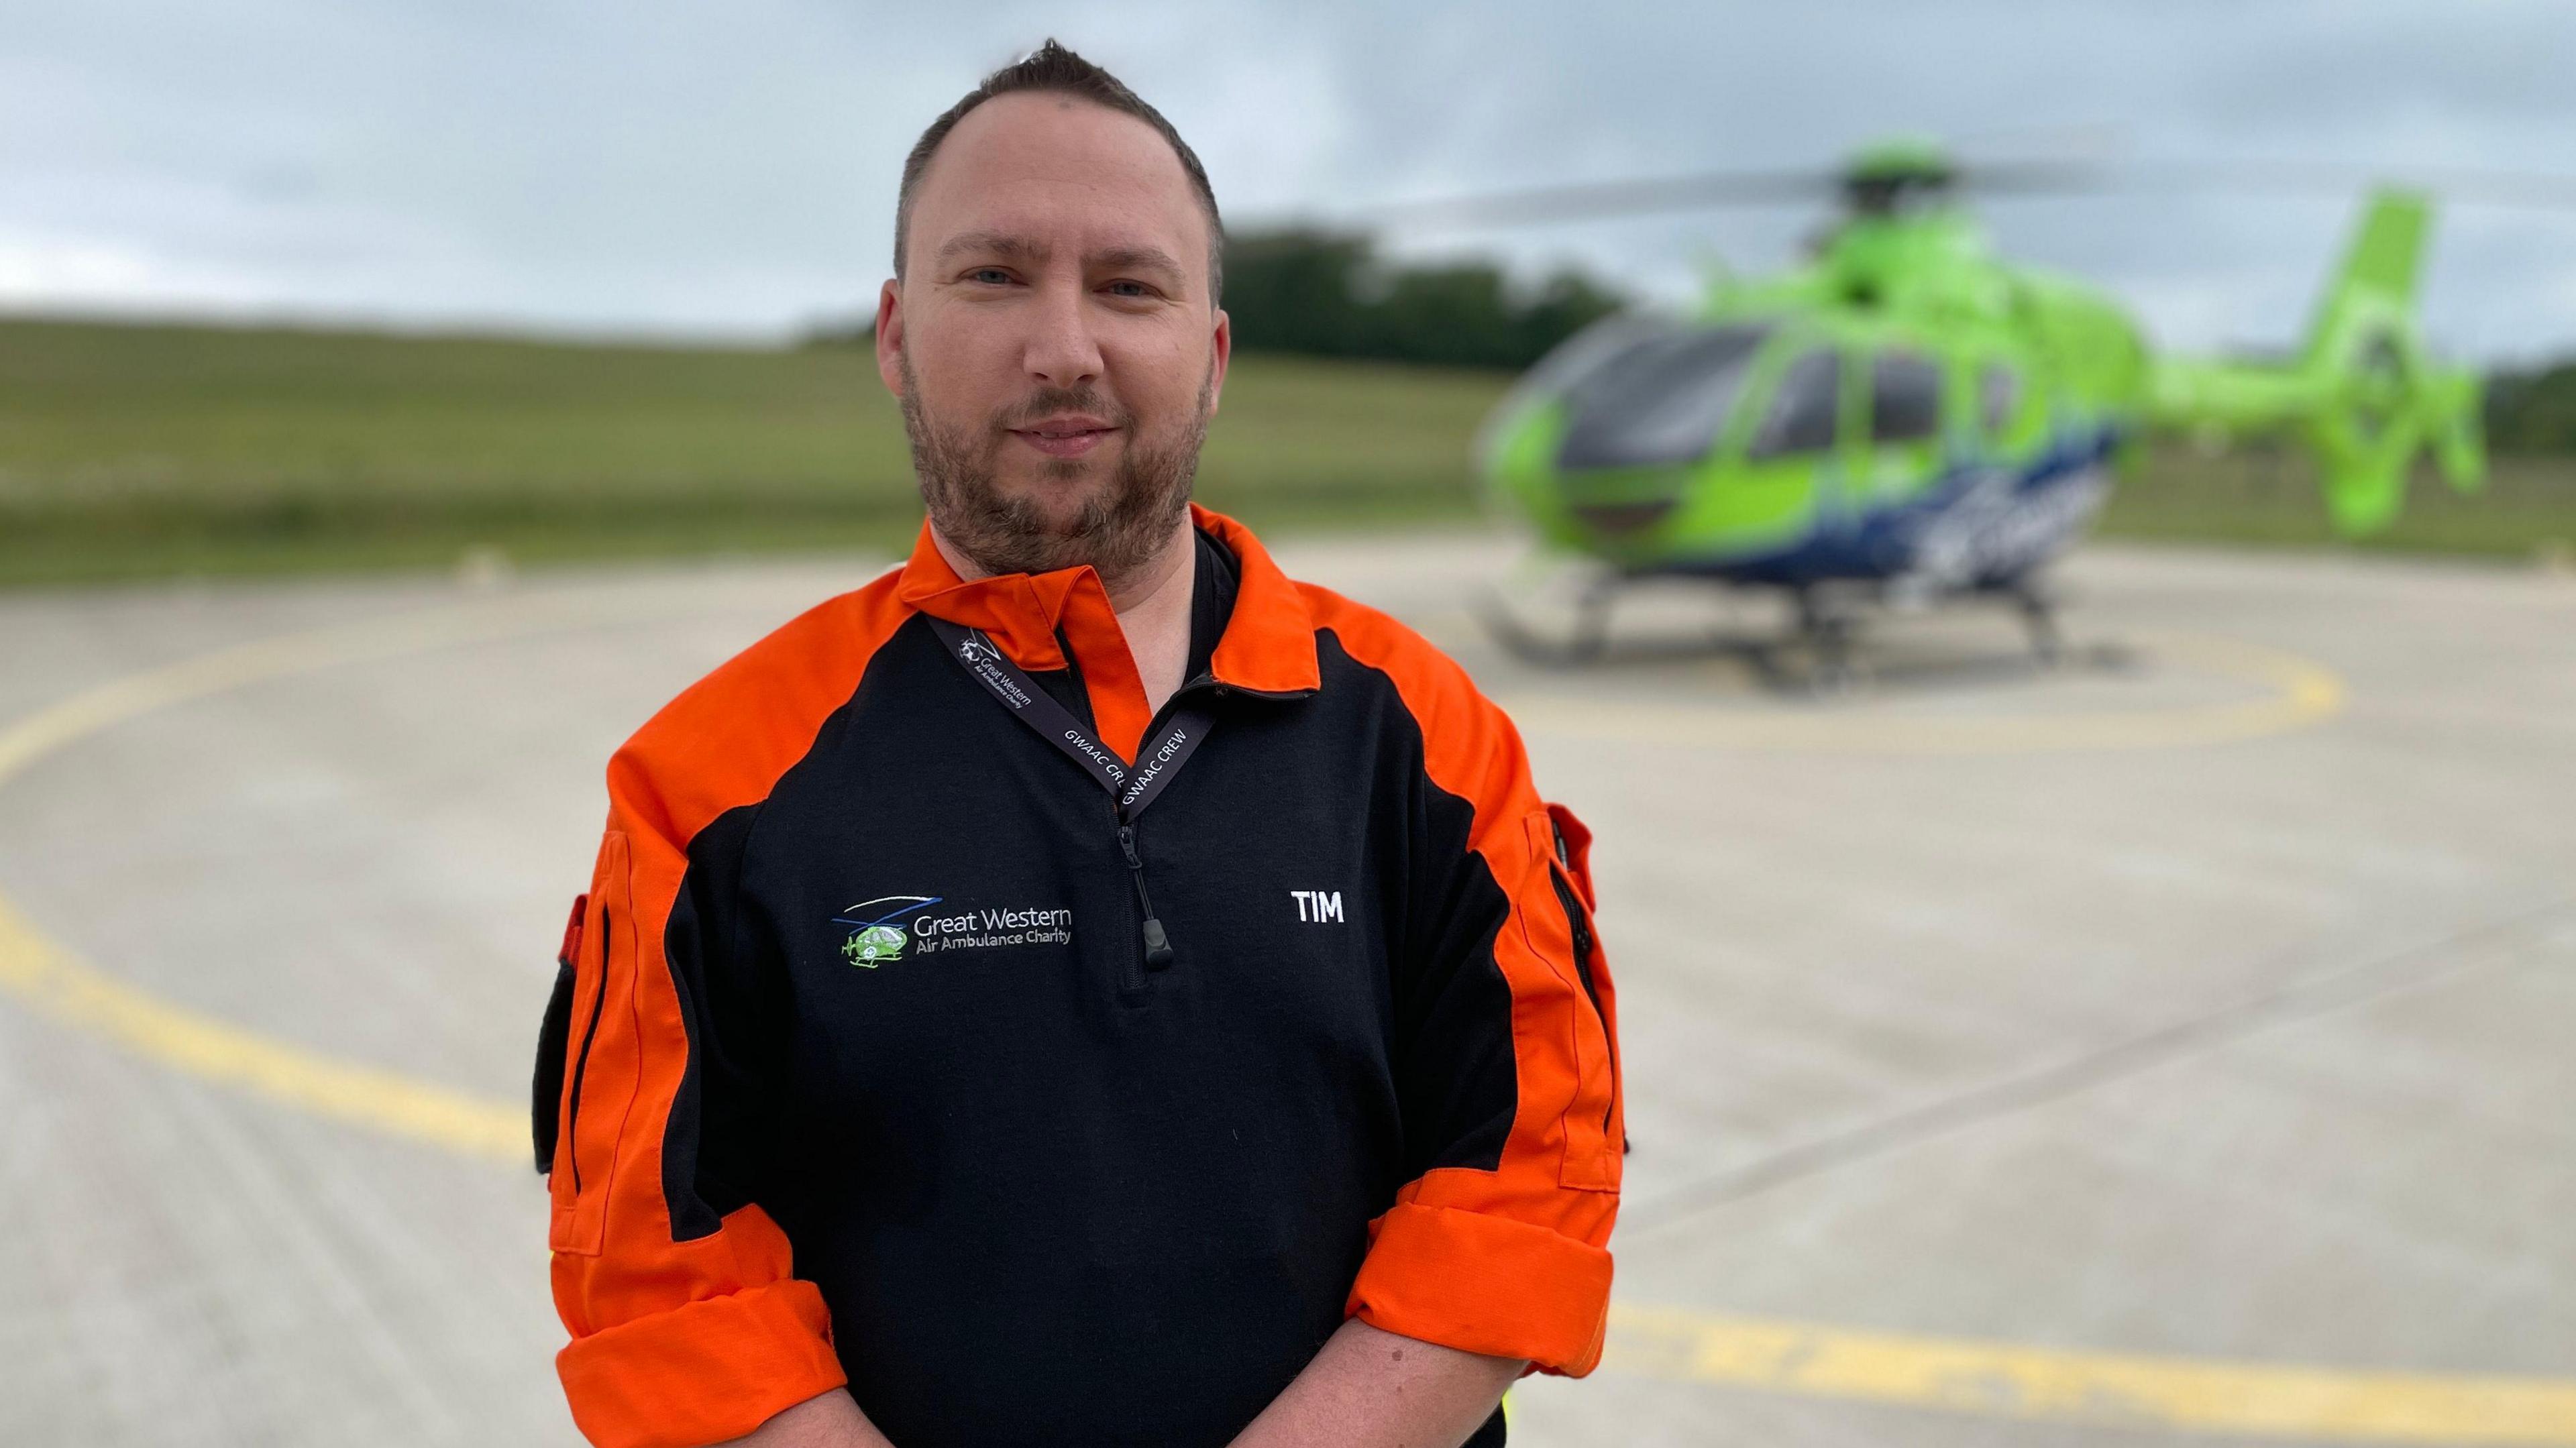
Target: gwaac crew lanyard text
1130,789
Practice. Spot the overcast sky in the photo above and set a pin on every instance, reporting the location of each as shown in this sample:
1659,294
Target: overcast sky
729,169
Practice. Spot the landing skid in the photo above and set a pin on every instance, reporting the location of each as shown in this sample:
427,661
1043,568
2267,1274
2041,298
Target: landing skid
1588,642
1825,632
2038,609
1816,653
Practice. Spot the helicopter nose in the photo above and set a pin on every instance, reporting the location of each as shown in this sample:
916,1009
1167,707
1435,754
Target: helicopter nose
1633,516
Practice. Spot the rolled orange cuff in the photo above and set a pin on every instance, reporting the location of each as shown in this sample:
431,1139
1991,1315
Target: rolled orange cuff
1485,1284
703,1372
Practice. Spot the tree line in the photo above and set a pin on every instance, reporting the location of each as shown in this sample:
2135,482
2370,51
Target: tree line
2533,411
1328,294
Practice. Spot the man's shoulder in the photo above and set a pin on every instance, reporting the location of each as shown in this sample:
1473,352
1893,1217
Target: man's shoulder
1469,745
1378,641
725,739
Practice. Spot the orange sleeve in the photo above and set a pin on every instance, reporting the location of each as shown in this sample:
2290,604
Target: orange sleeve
1511,1260
687,1328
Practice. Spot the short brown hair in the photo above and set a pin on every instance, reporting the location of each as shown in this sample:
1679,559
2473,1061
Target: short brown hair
1051,67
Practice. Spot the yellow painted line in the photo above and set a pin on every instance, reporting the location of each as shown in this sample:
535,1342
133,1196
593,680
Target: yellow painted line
58,984
61,986
2295,693
2015,1380
28,739
1994,1379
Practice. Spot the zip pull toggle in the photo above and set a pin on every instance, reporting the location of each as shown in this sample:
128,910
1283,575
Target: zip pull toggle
1158,946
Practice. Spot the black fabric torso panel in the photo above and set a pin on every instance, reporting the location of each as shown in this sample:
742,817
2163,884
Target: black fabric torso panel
1050,1197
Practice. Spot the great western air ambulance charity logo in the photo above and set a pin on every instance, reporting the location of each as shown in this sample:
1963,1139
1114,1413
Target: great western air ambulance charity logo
877,932
893,926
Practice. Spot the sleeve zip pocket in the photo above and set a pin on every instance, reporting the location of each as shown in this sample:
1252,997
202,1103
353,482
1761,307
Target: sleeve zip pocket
1573,848
581,1063
1558,922
597,1077
1581,926
545,1104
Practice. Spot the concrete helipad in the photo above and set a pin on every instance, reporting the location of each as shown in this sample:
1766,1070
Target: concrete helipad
2173,1046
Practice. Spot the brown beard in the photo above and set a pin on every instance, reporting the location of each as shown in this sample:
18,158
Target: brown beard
1118,529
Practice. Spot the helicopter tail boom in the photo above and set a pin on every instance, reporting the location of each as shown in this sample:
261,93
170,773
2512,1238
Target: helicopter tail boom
2363,396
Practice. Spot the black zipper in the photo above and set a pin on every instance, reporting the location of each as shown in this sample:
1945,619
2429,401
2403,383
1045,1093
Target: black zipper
554,1053
581,1065
1583,943
1157,953
1203,681
1156,946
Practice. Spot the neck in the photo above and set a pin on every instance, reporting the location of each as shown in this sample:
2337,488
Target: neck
1152,602
1169,568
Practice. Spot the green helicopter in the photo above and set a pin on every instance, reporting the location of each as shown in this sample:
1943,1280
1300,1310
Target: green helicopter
1908,417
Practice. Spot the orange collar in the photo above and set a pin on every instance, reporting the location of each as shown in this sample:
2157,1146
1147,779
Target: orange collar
1268,646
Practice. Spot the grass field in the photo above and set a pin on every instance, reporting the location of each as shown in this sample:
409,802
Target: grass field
130,451
140,451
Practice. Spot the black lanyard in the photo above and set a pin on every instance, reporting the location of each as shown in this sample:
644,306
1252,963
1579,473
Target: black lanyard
1130,788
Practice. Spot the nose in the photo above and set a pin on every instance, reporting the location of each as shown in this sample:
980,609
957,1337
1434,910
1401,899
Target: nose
1061,350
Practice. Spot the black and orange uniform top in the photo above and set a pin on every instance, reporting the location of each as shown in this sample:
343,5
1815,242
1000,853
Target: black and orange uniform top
859,1070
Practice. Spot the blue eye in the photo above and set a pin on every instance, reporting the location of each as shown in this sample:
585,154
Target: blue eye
988,274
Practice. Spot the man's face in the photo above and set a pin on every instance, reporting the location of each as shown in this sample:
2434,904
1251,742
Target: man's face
1052,340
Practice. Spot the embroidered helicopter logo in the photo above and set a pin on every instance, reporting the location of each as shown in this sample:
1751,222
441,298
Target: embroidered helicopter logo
876,935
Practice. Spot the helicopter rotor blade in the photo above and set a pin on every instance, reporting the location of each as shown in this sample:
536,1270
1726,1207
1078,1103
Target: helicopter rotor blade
2464,185
1588,200
2018,179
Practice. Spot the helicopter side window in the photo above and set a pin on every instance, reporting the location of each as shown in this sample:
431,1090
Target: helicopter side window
1904,398
1803,409
1998,398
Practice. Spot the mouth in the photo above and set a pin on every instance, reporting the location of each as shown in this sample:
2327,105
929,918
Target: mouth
1065,437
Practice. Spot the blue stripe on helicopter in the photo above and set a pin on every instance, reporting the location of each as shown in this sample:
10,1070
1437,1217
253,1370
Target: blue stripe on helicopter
1883,542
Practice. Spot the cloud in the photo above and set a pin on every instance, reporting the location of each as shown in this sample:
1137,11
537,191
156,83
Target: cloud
659,165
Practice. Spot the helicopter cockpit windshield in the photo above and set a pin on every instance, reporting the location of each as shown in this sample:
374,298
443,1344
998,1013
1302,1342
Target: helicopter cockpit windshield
1650,393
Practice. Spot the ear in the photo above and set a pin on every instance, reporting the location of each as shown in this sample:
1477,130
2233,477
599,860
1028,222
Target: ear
890,336
1221,349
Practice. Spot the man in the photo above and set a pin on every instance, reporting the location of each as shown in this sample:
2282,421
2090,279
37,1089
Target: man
1083,987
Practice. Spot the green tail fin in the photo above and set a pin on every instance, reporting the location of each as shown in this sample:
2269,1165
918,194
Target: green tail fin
2363,395
2379,268
2385,400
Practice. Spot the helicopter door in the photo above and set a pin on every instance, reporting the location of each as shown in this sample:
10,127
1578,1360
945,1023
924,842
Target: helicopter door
1805,414
1797,446
1904,424
1999,405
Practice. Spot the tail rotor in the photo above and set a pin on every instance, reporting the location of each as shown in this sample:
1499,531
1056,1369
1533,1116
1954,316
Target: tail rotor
2364,396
